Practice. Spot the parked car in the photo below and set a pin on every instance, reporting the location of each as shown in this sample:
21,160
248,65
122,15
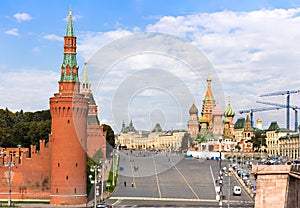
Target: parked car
237,190
104,206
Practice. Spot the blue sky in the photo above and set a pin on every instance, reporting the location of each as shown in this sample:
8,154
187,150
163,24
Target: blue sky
253,46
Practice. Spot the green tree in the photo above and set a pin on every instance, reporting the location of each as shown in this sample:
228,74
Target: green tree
89,163
259,139
110,139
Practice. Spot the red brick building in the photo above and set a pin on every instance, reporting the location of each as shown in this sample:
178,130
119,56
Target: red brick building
57,172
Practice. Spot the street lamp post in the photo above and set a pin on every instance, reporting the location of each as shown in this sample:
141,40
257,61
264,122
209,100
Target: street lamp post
221,174
228,173
102,179
113,167
95,169
9,164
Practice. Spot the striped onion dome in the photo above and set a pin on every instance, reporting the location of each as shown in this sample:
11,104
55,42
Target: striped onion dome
229,112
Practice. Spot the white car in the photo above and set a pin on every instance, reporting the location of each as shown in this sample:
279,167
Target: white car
237,190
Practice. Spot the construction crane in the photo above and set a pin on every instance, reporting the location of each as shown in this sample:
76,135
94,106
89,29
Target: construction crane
295,108
288,92
251,111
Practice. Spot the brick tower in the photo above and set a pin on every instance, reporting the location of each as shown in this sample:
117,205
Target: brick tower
69,111
96,138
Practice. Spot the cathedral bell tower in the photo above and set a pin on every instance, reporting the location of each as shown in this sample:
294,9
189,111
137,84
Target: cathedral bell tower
69,111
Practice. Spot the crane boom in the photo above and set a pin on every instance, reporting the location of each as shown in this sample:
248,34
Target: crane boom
295,108
288,93
251,111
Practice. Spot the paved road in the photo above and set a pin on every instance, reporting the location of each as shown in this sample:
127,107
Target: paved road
170,180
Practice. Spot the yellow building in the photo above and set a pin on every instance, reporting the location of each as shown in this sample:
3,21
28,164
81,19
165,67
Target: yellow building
276,144
151,141
289,146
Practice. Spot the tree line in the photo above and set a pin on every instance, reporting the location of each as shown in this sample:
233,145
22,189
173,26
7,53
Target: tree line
28,128
24,128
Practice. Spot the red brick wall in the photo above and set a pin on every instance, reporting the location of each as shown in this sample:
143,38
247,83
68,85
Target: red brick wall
30,176
96,139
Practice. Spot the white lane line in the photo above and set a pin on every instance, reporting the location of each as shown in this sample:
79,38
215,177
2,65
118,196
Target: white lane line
175,199
157,182
187,183
212,175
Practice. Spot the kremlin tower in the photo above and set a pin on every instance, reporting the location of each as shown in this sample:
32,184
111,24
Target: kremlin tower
193,123
69,110
96,138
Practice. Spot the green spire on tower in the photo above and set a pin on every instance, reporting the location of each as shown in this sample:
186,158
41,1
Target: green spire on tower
70,28
69,66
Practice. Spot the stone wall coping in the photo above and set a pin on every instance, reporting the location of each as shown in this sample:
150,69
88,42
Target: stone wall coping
270,169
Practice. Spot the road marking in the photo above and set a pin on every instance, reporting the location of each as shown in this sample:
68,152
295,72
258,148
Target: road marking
212,175
187,183
175,199
157,182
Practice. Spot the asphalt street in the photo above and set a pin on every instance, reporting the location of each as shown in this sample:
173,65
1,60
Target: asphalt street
161,179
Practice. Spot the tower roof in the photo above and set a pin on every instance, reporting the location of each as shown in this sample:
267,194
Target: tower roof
70,27
85,79
209,94
193,109
69,66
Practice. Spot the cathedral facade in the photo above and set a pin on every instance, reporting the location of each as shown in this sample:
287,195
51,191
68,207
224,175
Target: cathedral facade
214,129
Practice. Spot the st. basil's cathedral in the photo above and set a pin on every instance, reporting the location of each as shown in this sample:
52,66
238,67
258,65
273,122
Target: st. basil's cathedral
215,129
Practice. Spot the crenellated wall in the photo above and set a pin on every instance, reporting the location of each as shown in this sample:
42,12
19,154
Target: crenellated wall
30,173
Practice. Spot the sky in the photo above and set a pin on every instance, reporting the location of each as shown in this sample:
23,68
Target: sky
148,60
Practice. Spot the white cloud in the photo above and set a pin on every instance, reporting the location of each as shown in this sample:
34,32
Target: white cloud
53,37
74,17
28,89
90,42
20,17
13,31
253,52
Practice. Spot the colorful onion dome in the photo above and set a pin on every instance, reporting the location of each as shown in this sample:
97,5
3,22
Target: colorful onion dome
226,120
229,112
203,120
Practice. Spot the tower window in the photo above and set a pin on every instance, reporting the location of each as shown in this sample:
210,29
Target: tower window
57,190
68,121
76,164
67,177
58,164
75,190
